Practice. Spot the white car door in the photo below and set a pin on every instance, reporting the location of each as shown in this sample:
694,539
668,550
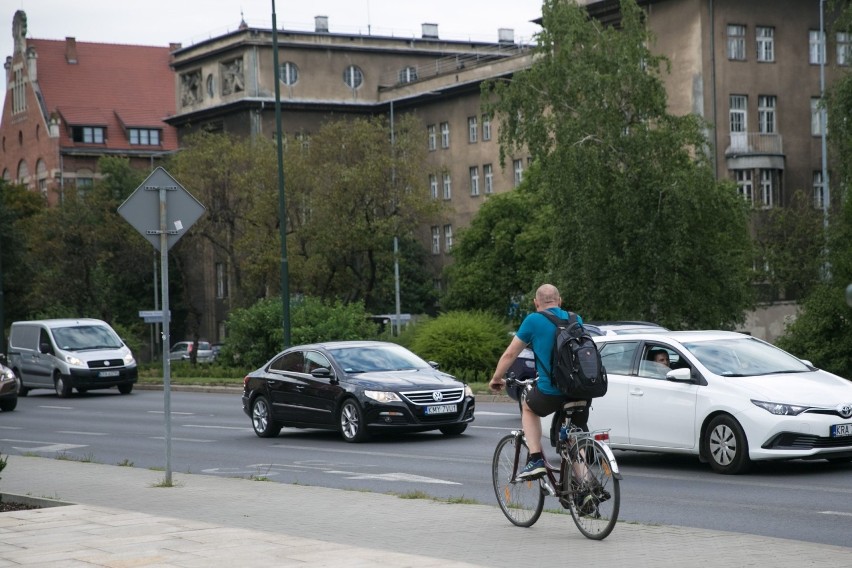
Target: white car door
661,412
610,411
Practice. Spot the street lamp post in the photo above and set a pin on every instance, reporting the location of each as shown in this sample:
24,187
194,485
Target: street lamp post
282,209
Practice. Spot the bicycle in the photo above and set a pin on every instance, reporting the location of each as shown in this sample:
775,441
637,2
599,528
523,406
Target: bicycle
586,481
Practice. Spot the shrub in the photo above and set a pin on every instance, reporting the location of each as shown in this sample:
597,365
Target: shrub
255,334
466,344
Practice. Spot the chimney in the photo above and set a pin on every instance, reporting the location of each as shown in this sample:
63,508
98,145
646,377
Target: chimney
430,31
175,46
505,35
71,50
321,24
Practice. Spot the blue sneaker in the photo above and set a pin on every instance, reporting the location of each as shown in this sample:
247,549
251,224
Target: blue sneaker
533,470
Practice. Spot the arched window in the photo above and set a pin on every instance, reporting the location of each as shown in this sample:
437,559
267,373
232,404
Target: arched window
23,171
7,177
353,77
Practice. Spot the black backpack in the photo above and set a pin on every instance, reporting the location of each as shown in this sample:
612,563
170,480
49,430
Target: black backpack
576,368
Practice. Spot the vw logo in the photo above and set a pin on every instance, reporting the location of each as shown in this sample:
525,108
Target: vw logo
437,396
845,410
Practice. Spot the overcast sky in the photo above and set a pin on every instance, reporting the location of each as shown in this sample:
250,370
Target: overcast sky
160,22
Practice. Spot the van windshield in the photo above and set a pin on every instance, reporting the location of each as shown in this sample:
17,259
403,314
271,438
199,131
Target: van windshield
84,337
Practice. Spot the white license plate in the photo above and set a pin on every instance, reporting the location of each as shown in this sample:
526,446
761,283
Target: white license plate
840,430
108,374
441,409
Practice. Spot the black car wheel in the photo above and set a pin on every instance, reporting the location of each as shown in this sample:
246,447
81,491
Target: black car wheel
725,446
453,430
261,419
8,404
22,390
351,421
125,389
63,389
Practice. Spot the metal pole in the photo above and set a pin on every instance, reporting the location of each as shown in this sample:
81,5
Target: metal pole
823,116
282,209
395,237
167,375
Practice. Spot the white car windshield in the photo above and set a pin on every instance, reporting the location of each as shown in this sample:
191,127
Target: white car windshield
82,337
745,357
381,358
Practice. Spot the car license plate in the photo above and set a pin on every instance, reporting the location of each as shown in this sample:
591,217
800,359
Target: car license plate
441,409
108,374
841,430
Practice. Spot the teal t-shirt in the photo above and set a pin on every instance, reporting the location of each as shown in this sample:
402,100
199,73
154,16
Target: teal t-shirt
539,333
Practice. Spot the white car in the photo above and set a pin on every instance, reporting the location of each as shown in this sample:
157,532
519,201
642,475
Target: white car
728,398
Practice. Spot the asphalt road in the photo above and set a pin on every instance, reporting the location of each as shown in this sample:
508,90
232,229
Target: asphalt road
210,434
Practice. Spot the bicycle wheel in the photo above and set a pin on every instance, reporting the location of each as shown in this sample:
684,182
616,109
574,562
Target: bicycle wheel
520,500
595,501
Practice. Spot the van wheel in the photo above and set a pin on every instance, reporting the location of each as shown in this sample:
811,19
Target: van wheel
22,390
63,389
125,389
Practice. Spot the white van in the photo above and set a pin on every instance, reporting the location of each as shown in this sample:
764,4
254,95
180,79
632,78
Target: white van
65,354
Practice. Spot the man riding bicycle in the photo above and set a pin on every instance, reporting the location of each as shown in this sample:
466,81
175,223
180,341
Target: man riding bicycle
543,398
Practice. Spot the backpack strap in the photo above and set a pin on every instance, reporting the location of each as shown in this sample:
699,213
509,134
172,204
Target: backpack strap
557,322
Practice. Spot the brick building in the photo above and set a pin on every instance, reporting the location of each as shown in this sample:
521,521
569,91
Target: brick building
68,103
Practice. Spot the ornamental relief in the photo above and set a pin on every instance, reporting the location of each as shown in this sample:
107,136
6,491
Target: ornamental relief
190,88
232,76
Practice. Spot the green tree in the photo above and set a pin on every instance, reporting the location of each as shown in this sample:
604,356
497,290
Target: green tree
640,227
16,205
501,256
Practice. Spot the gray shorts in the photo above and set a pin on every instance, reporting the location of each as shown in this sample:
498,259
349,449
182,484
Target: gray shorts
543,404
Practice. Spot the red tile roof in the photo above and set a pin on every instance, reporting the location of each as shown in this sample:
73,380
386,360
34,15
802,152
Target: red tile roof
108,81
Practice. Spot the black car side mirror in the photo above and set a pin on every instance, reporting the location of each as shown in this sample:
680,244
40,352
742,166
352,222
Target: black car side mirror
321,373
434,364
45,348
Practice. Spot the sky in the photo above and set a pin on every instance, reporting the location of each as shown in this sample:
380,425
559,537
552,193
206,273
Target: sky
161,22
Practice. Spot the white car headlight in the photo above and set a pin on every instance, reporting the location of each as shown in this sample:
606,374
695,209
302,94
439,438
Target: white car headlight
72,360
468,391
383,396
128,359
7,374
780,409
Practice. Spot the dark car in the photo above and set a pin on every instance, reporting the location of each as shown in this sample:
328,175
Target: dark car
8,387
524,365
357,388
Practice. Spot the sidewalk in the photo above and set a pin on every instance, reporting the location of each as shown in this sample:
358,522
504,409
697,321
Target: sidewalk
120,517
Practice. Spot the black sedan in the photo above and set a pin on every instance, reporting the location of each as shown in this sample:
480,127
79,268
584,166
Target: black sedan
356,387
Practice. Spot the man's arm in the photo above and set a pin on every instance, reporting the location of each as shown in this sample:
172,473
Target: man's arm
506,359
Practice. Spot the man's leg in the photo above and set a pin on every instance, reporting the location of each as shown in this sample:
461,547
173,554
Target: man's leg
531,423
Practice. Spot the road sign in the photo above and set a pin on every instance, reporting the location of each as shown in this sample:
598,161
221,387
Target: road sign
153,316
142,208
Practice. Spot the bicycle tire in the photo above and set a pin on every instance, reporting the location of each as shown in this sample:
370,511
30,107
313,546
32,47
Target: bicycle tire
521,501
597,517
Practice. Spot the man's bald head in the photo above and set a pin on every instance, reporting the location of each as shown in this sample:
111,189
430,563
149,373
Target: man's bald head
547,296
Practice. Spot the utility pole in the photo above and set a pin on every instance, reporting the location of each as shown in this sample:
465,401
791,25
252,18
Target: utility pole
282,209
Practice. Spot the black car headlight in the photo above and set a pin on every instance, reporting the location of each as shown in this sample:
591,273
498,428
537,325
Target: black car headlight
780,409
382,396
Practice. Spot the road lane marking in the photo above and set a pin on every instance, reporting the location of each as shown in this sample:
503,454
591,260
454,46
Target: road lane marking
180,439
56,407
488,413
11,427
173,412
82,433
407,477
840,513
243,428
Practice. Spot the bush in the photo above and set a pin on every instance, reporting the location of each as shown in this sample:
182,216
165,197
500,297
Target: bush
466,344
255,334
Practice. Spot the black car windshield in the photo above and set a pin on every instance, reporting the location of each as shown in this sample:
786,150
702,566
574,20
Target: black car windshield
745,357
81,337
372,358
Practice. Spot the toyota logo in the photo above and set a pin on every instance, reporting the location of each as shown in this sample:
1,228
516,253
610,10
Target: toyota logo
845,410
437,396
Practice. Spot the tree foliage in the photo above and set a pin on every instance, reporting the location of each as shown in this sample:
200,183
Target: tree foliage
640,227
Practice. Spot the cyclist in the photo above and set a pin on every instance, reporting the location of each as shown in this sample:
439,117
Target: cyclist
544,398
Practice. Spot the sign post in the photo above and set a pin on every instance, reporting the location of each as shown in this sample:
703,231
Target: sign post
161,210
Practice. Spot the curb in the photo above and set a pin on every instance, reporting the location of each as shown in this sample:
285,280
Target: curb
40,502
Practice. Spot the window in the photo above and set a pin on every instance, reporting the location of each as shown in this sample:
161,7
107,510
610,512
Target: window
736,42
445,135
433,186
768,183
293,362
486,128
144,136
474,181
353,77
23,171
221,281
817,117
472,129
433,139
765,44
436,239
19,92
448,186
816,47
88,134
617,356
408,74
745,187
844,48
819,190
766,113
288,73
488,171
518,167
448,238
739,121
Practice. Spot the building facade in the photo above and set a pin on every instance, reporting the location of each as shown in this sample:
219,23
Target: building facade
69,103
